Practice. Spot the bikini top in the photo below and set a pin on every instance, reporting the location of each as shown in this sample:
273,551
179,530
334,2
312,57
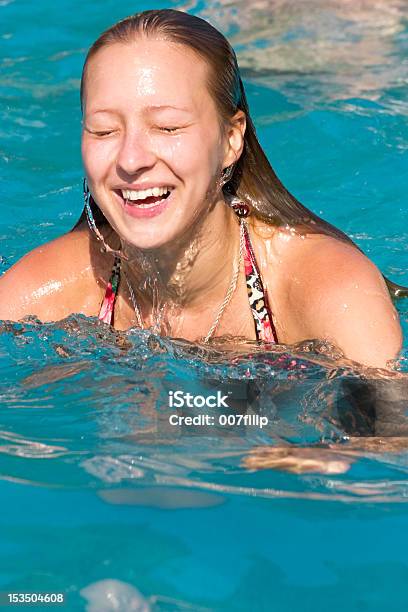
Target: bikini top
258,299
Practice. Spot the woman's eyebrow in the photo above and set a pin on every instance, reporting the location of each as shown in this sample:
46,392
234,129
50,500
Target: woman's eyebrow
104,110
158,107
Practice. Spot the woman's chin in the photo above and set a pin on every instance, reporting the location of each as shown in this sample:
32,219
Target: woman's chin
146,241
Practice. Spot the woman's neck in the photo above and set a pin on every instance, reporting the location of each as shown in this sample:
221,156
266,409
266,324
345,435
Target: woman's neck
190,274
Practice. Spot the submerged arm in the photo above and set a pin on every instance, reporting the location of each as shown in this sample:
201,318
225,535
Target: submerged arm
348,304
373,407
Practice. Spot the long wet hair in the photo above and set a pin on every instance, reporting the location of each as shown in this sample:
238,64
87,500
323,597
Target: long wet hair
253,180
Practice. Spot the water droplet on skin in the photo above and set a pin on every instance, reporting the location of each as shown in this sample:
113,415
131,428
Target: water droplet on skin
47,289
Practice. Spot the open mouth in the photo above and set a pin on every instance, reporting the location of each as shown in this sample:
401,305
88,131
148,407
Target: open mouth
148,202
152,205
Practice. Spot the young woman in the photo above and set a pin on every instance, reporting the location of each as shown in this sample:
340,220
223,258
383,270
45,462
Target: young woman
199,238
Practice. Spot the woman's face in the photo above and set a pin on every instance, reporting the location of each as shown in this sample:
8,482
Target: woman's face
150,122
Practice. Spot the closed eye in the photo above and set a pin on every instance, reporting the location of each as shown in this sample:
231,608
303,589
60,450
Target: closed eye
101,133
169,130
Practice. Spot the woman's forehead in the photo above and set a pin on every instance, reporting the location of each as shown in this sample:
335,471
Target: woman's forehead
152,71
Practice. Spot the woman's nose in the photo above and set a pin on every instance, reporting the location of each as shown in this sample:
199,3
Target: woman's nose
135,153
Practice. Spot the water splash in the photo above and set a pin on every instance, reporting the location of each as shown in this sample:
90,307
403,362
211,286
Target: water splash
94,402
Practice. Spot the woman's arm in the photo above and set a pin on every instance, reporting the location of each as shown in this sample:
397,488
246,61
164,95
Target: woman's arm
346,301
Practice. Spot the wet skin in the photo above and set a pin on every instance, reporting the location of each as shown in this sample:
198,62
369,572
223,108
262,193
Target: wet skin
318,287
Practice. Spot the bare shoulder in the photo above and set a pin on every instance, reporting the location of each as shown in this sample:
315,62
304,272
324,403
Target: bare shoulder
322,265
340,295
60,277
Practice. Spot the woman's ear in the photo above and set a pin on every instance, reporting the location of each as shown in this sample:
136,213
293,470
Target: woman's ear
235,138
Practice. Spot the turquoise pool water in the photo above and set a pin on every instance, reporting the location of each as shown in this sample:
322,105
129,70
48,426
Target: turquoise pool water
94,484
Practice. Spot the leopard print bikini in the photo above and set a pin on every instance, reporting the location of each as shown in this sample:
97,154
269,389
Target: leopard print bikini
258,299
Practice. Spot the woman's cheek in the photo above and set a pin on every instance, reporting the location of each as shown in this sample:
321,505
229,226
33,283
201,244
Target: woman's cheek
180,153
98,156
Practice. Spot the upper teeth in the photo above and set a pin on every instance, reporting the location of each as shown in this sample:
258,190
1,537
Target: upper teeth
129,194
